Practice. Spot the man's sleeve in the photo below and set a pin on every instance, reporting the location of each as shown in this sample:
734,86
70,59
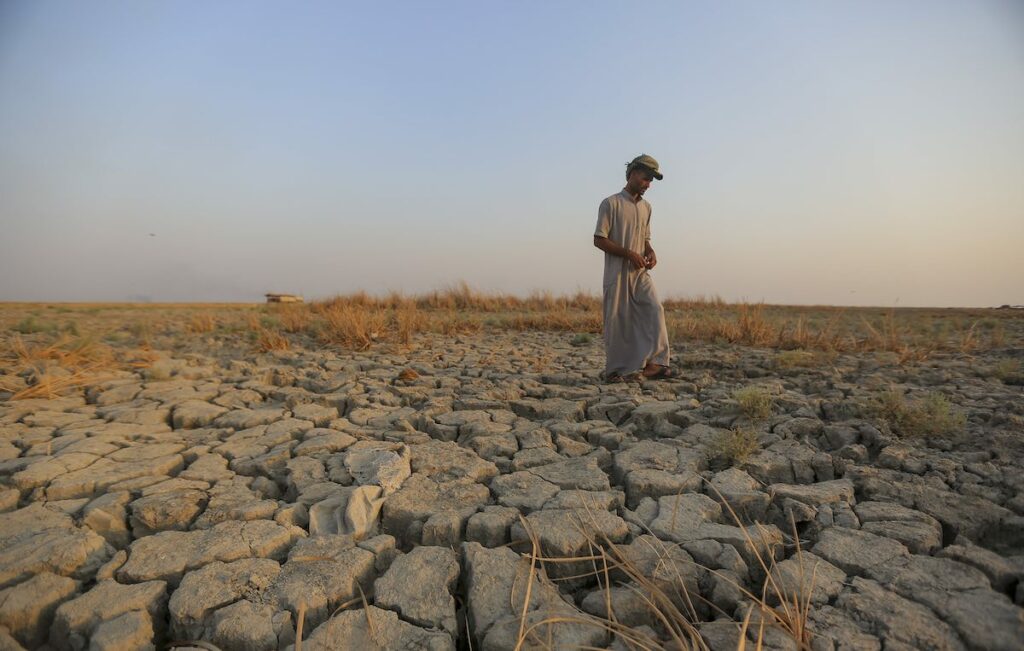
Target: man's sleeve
647,226
604,219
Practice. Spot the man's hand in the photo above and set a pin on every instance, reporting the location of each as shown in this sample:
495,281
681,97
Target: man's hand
639,261
650,259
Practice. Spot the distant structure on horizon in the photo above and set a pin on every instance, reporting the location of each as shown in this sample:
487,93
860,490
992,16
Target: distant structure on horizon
1011,307
283,298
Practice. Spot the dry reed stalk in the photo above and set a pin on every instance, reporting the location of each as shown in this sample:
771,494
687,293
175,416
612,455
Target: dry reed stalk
300,620
793,618
675,622
968,340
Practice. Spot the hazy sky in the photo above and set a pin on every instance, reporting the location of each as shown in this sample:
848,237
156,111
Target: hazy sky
867,152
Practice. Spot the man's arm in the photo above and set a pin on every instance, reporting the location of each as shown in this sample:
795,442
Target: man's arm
608,246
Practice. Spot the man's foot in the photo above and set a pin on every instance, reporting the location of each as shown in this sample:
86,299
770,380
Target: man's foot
658,372
619,378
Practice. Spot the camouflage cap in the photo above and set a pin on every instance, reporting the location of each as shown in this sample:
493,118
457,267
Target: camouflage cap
643,160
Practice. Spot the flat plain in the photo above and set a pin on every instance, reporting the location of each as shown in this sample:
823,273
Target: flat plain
451,471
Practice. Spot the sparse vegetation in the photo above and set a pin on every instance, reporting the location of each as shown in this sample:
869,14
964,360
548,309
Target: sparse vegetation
1008,371
803,336
734,447
30,325
665,594
929,415
581,339
795,359
754,402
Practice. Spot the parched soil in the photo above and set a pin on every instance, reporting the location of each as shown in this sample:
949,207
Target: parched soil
486,489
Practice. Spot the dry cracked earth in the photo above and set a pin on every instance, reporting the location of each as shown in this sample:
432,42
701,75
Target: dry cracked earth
392,497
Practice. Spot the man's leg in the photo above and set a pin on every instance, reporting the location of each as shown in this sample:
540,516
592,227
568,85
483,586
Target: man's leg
654,321
623,355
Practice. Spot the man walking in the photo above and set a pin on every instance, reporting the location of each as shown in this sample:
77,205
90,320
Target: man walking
635,336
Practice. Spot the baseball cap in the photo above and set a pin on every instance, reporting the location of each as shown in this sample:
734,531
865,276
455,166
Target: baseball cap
643,160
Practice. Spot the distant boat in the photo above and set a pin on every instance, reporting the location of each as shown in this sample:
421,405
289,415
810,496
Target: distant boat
283,298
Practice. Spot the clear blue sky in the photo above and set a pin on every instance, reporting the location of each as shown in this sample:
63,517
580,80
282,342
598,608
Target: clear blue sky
814,152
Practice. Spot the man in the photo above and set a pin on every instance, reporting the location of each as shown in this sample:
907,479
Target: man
635,336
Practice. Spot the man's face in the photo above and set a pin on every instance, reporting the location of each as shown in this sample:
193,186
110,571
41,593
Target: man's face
638,182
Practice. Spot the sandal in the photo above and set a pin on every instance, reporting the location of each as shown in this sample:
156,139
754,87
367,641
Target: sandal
663,373
614,378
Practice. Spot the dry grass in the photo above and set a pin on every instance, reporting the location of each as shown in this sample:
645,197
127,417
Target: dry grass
409,320
267,339
668,600
754,402
734,447
361,320
1009,371
352,326
49,369
201,322
294,318
930,415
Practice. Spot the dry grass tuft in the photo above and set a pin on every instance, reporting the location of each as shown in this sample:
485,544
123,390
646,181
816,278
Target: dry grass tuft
50,369
1009,371
734,447
353,326
754,402
294,318
267,339
200,323
930,415
409,320
31,325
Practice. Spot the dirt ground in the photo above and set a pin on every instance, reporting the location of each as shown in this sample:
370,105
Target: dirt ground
430,475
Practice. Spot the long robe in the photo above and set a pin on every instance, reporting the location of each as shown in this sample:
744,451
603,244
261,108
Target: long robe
634,320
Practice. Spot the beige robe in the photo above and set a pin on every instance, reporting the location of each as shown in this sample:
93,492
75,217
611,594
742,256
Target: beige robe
634,320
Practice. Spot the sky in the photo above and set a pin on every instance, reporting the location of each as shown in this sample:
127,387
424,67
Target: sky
845,153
